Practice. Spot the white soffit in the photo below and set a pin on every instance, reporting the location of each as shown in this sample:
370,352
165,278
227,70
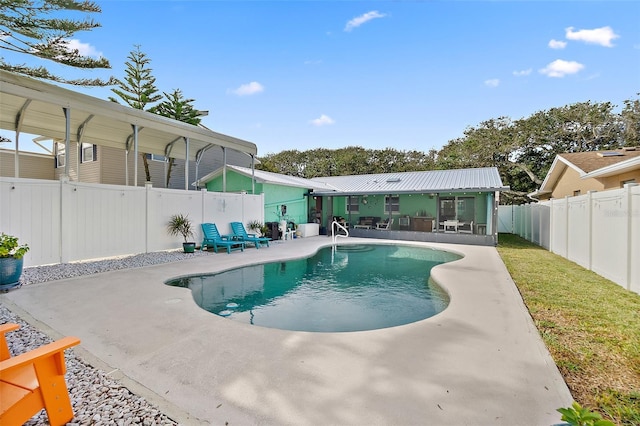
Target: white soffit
100,122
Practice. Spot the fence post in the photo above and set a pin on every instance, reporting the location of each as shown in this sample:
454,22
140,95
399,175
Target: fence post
627,189
147,193
566,227
590,228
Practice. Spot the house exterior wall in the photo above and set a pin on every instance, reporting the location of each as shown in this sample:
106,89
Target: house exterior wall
274,197
570,182
31,166
616,182
293,197
417,207
111,163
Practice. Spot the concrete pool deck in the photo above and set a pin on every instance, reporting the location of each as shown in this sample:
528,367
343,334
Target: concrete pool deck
480,362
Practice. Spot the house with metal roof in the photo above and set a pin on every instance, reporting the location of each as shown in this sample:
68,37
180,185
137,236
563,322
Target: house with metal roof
577,173
438,206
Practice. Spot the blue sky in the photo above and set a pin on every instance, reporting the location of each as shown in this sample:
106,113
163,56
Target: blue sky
407,75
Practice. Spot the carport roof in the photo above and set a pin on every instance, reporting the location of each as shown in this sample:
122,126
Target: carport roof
35,107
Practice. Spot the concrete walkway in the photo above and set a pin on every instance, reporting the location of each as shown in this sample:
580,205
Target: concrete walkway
480,362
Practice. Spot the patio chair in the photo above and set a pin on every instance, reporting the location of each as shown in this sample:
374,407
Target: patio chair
241,234
213,239
34,380
386,225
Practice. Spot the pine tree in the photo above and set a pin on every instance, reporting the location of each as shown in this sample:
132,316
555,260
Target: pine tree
176,107
138,89
26,27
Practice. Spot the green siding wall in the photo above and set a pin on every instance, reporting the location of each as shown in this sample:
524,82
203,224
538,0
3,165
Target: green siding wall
274,197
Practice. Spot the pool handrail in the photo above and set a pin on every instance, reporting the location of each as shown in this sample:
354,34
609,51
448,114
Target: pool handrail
334,236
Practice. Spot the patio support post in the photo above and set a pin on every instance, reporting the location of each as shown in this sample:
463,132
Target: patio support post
135,154
67,138
16,157
19,121
186,164
224,169
253,175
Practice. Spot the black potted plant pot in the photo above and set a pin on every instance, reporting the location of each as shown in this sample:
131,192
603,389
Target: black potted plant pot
189,247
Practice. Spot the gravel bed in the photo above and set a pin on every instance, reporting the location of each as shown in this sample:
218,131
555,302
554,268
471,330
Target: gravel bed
96,398
40,274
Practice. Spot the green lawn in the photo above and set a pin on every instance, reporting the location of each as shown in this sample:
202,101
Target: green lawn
590,325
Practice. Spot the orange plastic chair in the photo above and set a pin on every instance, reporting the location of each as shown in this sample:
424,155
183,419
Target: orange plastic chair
34,380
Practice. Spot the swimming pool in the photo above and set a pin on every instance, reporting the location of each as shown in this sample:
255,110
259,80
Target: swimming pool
349,288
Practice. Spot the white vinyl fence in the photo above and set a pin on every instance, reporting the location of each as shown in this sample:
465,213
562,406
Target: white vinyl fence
65,221
599,231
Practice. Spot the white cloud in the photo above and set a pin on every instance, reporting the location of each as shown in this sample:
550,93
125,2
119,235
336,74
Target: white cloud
323,120
85,49
359,20
248,89
494,82
602,36
560,68
522,73
557,44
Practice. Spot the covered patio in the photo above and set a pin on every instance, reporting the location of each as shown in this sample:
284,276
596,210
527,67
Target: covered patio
449,206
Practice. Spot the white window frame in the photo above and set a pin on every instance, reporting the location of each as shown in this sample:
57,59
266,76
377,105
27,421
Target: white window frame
388,201
84,148
61,157
351,202
156,157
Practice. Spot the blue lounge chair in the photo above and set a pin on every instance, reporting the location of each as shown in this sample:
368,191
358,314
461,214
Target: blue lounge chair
212,238
241,234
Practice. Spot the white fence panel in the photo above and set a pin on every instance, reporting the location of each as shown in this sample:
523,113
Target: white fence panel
634,250
101,220
30,210
609,252
545,224
505,219
579,232
559,226
65,221
599,231
164,203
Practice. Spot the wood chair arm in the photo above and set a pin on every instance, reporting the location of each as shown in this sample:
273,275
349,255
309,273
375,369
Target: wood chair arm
4,348
56,348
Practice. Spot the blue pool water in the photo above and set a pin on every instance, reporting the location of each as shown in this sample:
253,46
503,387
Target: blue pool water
354,288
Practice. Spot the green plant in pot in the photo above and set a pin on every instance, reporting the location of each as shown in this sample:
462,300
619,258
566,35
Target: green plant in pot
180,224
11,261
258,227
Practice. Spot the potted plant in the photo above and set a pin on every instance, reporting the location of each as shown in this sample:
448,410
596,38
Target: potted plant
258,227
11,261
180,224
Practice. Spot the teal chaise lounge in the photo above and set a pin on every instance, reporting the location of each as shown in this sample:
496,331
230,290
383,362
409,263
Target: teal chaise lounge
241,234
212,238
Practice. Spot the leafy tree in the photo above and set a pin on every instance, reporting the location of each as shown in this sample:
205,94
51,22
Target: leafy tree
176,107
523,150
138,88
630,117
27,27
352,160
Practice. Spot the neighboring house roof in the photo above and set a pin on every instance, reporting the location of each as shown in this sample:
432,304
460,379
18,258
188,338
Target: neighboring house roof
35,107
457,180
590,164
267,177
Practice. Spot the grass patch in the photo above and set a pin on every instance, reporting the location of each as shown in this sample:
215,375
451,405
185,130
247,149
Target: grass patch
590,325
